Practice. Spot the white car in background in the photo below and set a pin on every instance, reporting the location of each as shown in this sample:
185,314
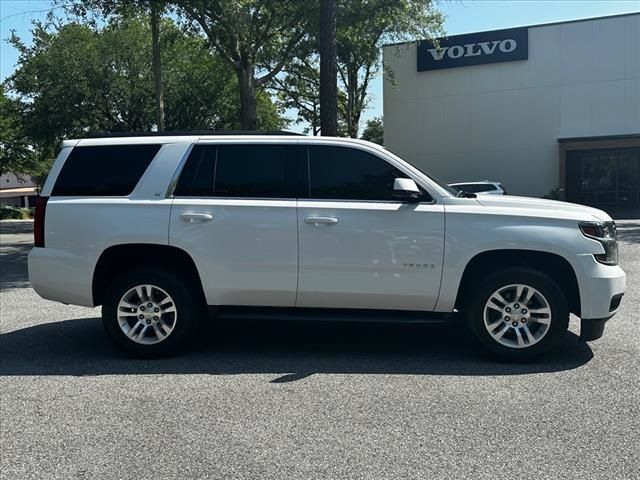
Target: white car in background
481,188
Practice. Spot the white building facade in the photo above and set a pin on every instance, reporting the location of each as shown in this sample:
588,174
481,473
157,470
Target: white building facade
537,108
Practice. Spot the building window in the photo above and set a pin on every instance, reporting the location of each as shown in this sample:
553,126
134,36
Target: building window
604,177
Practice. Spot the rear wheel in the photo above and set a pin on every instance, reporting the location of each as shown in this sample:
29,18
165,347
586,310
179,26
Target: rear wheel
517,313
149,312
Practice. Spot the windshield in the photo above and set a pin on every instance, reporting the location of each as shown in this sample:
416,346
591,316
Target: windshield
454,192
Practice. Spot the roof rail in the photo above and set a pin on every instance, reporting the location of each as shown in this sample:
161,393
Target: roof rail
171,133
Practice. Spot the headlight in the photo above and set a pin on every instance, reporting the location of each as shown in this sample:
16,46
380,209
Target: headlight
605,233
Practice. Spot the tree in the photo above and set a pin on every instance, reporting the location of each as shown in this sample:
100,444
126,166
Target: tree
155,16
328,69
298,89
77,79
374,131
256,37
363,25
154,9
16,156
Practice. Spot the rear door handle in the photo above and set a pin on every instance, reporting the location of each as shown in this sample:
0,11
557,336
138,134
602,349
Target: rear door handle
196,217
316,221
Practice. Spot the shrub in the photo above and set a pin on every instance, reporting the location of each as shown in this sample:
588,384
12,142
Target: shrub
11,213
553,194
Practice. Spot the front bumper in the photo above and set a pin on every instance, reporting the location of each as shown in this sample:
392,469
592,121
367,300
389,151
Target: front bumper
592,328
601,290
599,284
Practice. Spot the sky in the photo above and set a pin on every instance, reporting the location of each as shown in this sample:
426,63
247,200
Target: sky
462,16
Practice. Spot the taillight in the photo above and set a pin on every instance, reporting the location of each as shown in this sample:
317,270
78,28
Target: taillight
38,221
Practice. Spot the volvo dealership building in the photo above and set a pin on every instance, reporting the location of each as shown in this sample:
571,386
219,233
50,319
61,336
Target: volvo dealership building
536,108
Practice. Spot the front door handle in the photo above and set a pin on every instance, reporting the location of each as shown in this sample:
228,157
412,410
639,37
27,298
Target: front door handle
196,217
317,221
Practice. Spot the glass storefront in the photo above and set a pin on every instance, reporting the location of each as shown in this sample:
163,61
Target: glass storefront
603,178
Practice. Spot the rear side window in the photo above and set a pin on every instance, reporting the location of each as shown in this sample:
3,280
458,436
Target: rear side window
350,174
196,179
105,171
262,171
251,171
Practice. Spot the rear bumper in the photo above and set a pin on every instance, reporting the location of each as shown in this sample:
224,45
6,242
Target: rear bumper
61,276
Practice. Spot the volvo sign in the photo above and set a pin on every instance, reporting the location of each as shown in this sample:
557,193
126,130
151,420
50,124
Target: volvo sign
474,49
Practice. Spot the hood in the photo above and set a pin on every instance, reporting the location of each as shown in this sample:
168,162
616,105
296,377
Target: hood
543,207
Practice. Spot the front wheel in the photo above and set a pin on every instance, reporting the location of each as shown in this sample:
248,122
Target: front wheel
517,313
150,312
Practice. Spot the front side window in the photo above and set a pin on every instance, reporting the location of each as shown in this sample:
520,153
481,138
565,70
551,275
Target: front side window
343,173
262,171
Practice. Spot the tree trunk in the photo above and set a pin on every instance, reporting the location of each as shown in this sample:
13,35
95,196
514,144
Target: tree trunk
328,69
248,103
353,115
157,66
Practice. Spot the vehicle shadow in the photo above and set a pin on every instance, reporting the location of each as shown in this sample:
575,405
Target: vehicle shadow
288,350
13,264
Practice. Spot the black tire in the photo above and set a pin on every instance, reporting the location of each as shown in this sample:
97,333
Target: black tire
473,312
189,304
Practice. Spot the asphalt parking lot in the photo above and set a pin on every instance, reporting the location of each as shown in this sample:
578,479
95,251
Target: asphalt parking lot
293,400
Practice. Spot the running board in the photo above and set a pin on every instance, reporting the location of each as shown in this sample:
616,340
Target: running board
329,315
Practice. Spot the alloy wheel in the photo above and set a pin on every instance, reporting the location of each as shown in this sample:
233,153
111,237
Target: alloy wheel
147,314
517,316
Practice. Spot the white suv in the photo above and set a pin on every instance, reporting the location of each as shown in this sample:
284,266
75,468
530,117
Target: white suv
158,228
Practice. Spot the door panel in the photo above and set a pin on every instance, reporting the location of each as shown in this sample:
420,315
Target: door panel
370,254
234,212
246,250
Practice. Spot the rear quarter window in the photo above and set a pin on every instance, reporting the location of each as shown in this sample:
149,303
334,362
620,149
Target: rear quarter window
104,171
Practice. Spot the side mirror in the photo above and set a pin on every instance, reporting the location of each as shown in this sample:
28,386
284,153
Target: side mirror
406,189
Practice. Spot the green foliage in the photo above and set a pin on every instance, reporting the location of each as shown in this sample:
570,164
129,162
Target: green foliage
12,213
256,38
299,89
78,78
374,131
15,154
201,92
554,194
250,33
363,26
